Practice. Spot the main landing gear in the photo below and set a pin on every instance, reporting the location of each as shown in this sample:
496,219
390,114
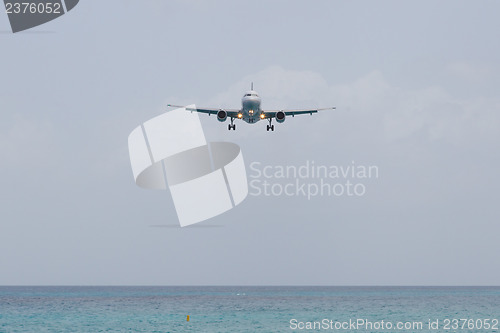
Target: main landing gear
270,127
233,126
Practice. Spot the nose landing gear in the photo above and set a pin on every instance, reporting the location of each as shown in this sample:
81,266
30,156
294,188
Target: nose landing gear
233,126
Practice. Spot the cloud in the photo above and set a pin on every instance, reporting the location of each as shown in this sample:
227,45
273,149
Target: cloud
279,88
464,70
374,105
431,112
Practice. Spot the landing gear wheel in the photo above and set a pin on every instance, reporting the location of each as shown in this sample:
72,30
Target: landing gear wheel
229,127
270,127
234,127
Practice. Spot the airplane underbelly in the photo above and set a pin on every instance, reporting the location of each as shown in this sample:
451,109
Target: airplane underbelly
251,120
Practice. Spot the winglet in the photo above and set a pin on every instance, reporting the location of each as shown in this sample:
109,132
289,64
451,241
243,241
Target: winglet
251,88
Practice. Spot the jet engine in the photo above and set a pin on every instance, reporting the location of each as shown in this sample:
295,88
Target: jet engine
280,116
221,115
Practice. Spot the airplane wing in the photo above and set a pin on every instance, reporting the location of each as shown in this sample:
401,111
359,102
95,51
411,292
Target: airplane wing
230,112
293,113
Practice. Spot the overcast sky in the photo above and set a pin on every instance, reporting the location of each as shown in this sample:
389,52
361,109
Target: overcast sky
416,88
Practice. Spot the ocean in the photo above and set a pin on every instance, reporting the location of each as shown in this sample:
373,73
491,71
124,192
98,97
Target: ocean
249,309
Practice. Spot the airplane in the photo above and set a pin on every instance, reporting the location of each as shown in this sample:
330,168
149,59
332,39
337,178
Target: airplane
251,112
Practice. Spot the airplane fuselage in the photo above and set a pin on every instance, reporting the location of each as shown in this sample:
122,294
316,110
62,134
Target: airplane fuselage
250,107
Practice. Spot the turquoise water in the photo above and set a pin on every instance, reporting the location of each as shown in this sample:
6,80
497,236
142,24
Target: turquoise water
244,309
